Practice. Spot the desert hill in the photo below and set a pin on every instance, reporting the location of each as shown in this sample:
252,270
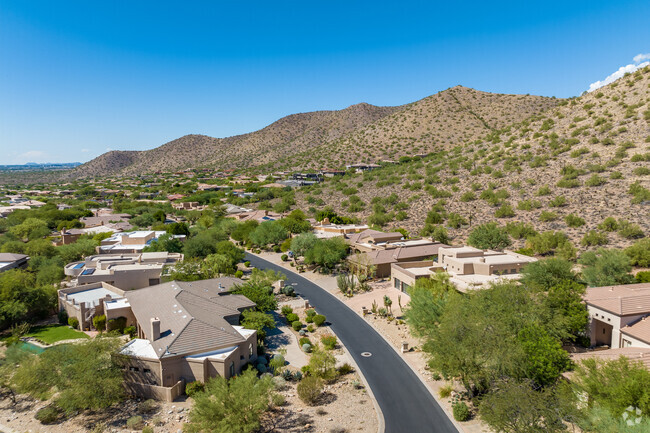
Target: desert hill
587,157
332,138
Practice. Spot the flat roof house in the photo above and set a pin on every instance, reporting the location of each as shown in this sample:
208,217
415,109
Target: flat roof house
468,267
12,261
125,271
619,315
131,242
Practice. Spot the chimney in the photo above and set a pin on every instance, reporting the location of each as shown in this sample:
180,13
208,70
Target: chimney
155,328
266,213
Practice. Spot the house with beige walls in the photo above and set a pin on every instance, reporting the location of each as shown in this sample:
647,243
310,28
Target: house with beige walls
125,271
618,315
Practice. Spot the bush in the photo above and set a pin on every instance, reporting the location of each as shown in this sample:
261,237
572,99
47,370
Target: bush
239,274
594,238
148,406
147,429
329,341
193,387
309,319
284,257
461,411
319,319
306,348
639,253
99,322
489,236
296,325
345,369
63,317
292,317
310,389
643,277
74,322
48,415
310,313
445,391
286,310
130,330
310,328
304,340
135,422
117,324
247,264
573,220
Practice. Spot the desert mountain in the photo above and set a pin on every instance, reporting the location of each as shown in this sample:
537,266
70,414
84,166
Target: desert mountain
585,158
278,141
331,138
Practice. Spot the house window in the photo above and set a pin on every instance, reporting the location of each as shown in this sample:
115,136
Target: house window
250,349
146,370
513,271
232,369
626,343
134,369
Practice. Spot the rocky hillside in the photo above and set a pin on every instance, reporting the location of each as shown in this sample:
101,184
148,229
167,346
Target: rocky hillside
292,134
449,118
319,139
566,169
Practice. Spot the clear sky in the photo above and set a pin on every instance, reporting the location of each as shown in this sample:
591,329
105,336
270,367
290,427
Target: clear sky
78,78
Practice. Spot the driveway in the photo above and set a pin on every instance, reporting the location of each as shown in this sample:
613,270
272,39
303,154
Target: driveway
407,405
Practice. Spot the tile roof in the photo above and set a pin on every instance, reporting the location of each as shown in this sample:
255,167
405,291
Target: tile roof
193,315
633,353
639,329
623,300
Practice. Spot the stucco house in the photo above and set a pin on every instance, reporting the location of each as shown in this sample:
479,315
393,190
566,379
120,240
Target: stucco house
186,332
125,271
618,315
12,261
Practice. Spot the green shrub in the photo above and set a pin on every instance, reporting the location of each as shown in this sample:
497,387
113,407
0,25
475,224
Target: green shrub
574,221
558,201
296,325
286,310
292,317
304,340
63,317
329,341
310,328
130,331
306,348
547,216
135,422
193,387
148,406
461,411
445,391
239,274
595,180
639,253
594,238
345,369
247,264
284,257
74,322
643,277
147,429
310,389
629,230
544,190
609,224
310,313
48,415
99,322
319,319
117,324
309,319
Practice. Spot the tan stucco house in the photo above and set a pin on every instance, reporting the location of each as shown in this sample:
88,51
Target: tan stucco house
618,315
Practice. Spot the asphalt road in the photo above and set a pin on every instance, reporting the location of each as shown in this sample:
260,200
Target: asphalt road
406,403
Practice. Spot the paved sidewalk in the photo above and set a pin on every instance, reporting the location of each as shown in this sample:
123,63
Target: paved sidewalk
282,337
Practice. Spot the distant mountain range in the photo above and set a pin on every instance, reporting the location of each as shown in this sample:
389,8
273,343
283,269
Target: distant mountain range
359,133
35,166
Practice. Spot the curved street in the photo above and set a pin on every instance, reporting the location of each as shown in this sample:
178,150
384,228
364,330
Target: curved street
406,403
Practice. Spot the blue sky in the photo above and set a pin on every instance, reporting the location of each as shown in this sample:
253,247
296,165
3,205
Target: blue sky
78,78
